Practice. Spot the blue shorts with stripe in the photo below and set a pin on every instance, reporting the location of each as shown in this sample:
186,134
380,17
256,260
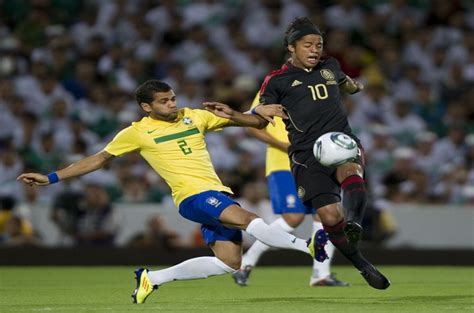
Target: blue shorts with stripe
283,195
205,209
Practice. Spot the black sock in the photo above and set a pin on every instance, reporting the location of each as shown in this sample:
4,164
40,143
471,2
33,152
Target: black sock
354,198
338,238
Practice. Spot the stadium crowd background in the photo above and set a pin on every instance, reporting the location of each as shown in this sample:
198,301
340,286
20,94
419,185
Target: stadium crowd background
68,70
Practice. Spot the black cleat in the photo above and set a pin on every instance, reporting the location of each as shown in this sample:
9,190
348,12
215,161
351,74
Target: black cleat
353,232
374,278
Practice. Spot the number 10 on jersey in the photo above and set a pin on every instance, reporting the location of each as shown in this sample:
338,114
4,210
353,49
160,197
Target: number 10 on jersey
319,91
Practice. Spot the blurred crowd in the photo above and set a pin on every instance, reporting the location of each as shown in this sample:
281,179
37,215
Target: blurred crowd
68,70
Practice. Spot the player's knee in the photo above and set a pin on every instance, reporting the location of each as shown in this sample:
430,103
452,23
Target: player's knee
329,209
232,262
293,219
348,169
248,218
331,217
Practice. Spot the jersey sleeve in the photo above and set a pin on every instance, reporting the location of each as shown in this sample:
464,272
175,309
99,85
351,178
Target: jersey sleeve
211,122
340,75
125,141
268,92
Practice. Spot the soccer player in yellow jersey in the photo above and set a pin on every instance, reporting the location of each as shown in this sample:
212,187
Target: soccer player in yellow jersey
285,201
172,142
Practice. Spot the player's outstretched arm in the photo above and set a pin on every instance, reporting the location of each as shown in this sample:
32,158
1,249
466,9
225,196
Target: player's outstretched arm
81,167
352,86
268,111
241,119
266,137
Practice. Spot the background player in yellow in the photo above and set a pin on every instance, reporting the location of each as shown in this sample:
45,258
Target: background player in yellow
172,142
285,201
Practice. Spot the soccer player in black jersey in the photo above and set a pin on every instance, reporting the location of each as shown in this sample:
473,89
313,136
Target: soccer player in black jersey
309,88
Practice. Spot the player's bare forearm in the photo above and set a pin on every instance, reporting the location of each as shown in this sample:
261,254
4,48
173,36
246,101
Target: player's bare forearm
352,86
265,137
86,165
248,120
79,168
260,119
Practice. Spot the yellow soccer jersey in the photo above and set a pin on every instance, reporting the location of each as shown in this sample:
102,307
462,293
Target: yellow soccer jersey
276,160
175,150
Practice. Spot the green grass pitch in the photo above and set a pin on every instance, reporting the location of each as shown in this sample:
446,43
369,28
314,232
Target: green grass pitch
272,289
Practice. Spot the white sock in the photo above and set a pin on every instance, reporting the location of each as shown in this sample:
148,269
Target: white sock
275,237
323,270
196,268
254,253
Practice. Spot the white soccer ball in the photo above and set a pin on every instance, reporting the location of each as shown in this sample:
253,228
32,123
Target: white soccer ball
334,149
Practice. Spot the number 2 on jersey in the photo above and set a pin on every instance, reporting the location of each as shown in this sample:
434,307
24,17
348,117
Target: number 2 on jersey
183,145
319,91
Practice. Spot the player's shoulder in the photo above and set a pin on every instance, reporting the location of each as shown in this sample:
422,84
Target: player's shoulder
190,116
190,112
277,73
330,62
139,125
275,78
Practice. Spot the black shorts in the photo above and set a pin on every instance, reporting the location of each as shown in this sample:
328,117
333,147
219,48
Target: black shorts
314,179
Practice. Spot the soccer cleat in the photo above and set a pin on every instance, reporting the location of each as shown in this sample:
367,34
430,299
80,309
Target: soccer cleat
353,232
241,276
375,279
316,245
144,286
330,281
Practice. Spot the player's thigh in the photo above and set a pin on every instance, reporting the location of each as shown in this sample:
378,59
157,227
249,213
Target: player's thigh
314,180
236,217
206,207
228,252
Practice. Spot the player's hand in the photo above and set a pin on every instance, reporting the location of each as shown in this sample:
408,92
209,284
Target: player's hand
33,179
268,111
356,85
219,109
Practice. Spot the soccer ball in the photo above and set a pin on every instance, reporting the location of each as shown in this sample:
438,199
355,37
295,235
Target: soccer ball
334,149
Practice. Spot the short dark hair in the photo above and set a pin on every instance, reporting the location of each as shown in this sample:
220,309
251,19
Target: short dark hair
298,28
145,92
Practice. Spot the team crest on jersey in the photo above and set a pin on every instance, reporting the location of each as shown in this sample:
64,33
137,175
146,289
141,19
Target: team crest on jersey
327,74
301,192
213,201
187,121
290,201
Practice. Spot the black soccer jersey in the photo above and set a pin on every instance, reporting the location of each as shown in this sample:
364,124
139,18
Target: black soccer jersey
311,99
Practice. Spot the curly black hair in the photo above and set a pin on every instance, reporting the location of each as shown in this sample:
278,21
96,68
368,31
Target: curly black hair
296,25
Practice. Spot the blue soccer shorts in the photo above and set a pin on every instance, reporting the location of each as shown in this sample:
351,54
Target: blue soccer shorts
205,209
283,195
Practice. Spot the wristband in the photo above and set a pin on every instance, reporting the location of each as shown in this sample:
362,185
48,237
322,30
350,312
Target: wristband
254,111
53,178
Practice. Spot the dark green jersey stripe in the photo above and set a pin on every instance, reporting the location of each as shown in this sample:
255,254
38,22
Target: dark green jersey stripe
186,133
